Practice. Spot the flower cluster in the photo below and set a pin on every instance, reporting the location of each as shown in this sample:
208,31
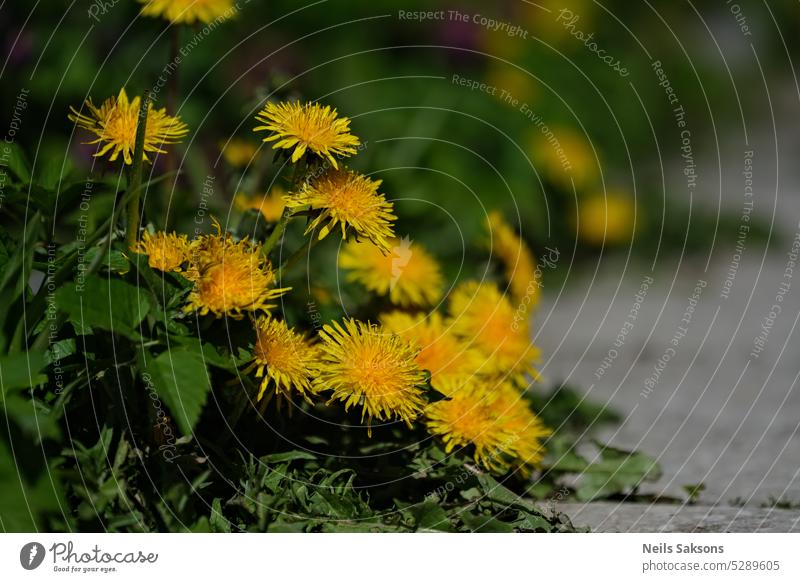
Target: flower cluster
456,364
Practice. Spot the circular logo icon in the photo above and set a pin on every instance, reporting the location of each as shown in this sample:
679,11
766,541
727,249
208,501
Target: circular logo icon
31,555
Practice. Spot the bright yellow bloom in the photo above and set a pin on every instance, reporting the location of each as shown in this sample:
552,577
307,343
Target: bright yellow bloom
190,11
606,219
348,199
408,275
516,257
310,127
165,252
283,357
270,205
239,152
496,421
487,321
230,277
564,158
114,124
448,359
363,364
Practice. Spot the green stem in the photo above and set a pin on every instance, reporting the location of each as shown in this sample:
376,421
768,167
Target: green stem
277,232
309,244
135,181
280,228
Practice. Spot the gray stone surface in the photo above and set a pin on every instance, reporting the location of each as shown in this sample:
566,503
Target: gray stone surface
658,518
716,413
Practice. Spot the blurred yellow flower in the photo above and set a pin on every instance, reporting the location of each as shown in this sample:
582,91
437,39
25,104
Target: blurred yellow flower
517,84
165,251
409,275
114,124
270,205
563,156
496,421
190,11
608,219
239,152
229,277
516,257
309,127
448,359
348,199
487,321
365,365
283,357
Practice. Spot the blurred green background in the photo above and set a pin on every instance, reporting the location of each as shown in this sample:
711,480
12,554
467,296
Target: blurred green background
447,153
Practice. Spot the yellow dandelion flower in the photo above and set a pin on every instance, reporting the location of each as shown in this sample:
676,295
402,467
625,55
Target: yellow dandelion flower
501,428
190,11
165,252
408,275
524,423
114,124
270,205
450,362
230,277
283,357
239,152
516,257
606,219
487,321
348,199
309,127
565,158
363,364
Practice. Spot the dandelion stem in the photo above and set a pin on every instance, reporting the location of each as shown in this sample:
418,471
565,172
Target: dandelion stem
277,233
135,179
311,241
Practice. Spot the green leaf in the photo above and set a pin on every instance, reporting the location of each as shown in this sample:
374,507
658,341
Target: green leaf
205,351
105,303
180,378
34,420
23,503
430,515
484,523
617,471
114,261
562,456
217,521
51,173
288,456
17,161
21,370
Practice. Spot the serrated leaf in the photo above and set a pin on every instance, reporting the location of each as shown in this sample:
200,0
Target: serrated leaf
205,351
430,515
106,303
21,370
16,161
180,379
288,456
485,523
114,261
217,521
617,471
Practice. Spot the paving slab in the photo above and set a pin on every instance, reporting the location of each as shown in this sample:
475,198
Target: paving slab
662,518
